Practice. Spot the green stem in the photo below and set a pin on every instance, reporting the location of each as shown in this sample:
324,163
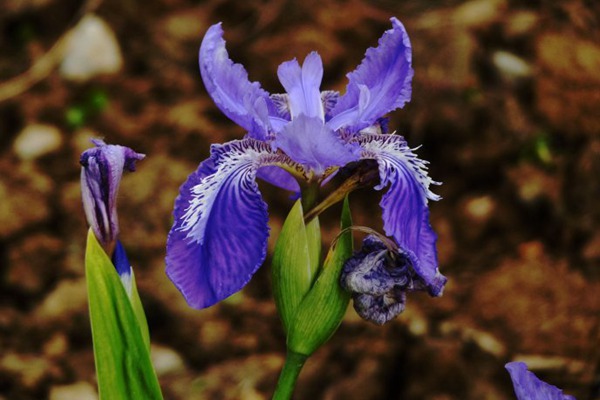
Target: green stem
310,195
365,175
289,374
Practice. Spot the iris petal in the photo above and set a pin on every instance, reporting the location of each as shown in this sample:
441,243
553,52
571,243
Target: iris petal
278,177
380,84
302,85
244,102
219,238
530,387
309,142
405,212
101,175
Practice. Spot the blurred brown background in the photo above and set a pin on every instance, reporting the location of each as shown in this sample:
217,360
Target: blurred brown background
506,103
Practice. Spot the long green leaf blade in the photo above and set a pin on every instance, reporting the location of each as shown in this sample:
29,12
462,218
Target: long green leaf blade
123,366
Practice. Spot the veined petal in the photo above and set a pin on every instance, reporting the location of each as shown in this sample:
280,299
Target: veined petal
244,102
405,212
530,387
219,237
303,86
309,142
380,84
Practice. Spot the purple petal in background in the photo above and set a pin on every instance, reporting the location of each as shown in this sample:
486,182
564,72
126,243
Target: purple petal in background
530,387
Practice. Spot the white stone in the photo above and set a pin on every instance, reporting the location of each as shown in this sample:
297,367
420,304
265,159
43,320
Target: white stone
91,49
166,361
511,66
76,391
36,140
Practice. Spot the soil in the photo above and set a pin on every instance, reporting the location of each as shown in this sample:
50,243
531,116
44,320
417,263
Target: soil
505,104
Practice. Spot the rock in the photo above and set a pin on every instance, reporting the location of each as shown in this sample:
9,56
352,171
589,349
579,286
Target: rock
480,209
66,300
479,13
521,23
510,66
92,49
166,361
29,369
24,192
37,140
56,346
75,391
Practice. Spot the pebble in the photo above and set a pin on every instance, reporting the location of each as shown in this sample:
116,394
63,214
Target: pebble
480,209
67,299
479,13
76,391
30,370
91,50
37,140
510,66
166,360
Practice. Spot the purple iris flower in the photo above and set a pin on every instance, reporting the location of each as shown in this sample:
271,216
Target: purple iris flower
101,172
219,236
530,387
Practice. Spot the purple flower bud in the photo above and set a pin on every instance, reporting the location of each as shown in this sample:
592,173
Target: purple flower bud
378,279
102,168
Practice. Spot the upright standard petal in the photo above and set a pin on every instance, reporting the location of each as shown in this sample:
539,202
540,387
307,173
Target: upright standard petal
244,102
219,237
303,86
380,84
530,387
308,142
102,169
405,212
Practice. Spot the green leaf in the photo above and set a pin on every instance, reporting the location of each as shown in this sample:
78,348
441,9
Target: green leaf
138,309
295,262
323,308
122,357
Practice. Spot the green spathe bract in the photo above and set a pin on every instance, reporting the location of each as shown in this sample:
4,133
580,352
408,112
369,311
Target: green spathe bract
317,304
322,309
121,349
295,262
